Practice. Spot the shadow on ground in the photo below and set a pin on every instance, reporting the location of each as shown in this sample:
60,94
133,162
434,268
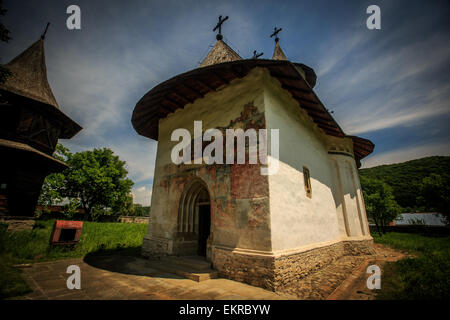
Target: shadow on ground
127,261
121,261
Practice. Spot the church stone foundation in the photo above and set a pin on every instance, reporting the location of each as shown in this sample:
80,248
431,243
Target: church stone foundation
275,272
257,270
154,247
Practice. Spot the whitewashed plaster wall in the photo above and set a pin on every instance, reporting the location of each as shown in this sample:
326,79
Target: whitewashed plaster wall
296,220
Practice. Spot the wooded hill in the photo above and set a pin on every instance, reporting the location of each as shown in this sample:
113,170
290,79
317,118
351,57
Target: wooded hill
406,178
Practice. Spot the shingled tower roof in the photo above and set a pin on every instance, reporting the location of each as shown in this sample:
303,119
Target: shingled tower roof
278,54
29,75
221,52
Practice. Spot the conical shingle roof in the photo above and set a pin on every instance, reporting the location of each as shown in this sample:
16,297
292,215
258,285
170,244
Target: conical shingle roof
221,52
278,54
29,75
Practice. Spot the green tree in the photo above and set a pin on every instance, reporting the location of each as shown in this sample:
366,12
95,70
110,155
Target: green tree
98,179
125,206
71,208
381,206
435,194
139,210
52,192
406,179
4,36
95,180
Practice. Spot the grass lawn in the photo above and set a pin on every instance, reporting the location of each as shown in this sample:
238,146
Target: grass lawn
34,246
426,276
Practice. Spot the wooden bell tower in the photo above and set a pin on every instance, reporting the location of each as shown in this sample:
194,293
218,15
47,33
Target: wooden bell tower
31,123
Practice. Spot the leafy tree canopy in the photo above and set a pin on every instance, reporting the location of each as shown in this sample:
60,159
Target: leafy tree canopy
435,194
380,203
97,178
139,210
407,180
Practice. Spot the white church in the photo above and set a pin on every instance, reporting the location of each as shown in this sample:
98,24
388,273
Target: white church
265,230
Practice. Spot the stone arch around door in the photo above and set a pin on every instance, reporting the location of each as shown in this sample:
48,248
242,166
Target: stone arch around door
194,217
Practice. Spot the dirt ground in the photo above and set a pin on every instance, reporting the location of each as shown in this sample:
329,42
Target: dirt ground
355,287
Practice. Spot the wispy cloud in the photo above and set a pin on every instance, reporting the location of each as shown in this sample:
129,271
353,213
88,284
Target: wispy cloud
395,87
99,78
142,195
405,110
374,81
338,51
405,154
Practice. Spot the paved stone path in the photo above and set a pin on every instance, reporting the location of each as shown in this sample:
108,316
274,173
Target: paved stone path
137,280
122,277
344,279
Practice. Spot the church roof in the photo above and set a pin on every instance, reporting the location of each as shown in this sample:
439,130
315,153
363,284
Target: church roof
220,53
28,85
29,75
278,54
185,88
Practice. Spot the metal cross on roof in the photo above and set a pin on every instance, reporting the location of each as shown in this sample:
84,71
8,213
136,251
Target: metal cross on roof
45,32
219,26
257,55
275,33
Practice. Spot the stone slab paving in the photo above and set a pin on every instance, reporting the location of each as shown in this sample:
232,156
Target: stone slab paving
344,279
134,278
131,278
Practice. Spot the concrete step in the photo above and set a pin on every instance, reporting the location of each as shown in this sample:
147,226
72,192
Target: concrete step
196,269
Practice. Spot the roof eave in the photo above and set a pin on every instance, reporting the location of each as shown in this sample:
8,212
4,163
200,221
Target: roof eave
161,100
54,165
69,129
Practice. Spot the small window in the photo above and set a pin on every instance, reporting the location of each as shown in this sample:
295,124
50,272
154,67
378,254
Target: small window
307,181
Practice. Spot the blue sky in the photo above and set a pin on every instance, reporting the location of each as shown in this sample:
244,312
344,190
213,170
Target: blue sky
391,86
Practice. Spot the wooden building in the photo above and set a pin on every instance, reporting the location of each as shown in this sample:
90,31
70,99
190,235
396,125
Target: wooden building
31,122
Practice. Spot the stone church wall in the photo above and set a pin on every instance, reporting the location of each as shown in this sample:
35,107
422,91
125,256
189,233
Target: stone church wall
265,230
274,272
239,193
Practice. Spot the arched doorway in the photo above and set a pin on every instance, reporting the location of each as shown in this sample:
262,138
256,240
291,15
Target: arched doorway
194,217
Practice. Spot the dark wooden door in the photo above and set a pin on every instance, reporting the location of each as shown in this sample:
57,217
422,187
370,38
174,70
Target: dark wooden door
204,225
